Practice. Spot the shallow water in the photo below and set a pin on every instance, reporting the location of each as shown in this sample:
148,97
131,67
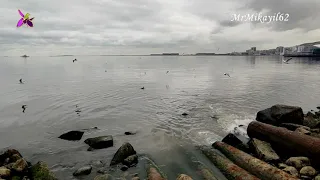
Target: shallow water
107,91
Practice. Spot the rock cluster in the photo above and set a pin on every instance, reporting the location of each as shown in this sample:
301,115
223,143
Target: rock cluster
14,166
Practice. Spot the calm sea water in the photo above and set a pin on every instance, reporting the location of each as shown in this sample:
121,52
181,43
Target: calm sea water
107,90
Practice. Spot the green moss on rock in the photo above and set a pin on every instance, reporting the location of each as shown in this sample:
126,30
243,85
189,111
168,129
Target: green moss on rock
40,171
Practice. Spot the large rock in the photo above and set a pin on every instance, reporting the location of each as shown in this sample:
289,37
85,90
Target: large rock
103,177
278,114
9,156
298,162
234,141
308,171
291,170
100,142
311,120
123,152
86,170
20,165
4,172
317,177
40,171
72,135
264,150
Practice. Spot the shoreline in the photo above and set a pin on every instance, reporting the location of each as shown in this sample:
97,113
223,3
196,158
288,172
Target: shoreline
282,140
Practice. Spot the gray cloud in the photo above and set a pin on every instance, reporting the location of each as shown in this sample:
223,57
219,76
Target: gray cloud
151,26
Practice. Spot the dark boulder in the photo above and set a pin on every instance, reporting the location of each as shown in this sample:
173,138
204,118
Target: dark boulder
100,142
86,170
72,135
124,168
234,141
278,114
130,133
123,152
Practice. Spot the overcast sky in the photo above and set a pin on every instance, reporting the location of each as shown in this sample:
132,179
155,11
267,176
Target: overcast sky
153,26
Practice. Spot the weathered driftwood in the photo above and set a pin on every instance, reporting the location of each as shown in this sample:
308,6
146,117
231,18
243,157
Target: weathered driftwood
228,168
290,142
253,165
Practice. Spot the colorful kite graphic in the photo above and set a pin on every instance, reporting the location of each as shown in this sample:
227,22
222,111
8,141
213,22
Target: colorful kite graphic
25,20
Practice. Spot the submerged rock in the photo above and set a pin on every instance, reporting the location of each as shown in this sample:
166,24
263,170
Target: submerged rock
298,162
234,141
130,133
4,172
308,171
86,170
184,177
278,114
124,168
264,150
291,170
72,135
40,171
184,114
130,160
100,142
123,152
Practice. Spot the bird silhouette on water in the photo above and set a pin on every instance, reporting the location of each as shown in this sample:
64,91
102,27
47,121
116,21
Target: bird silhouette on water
226,74
142,88
286,61
167,72
24,108
20,80
74,60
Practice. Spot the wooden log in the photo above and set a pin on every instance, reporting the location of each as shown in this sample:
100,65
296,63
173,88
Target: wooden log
253,165
287,141
228,168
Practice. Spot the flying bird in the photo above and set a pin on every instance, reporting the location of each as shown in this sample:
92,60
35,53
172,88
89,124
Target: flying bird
24,108
286,61
74,60
226,74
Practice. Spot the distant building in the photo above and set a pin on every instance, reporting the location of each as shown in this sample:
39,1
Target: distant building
170,54
254,49
279,50
301,50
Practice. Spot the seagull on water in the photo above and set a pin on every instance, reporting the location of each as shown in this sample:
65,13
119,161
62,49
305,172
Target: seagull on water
74,60
24,108
286,61
142,88
226,74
